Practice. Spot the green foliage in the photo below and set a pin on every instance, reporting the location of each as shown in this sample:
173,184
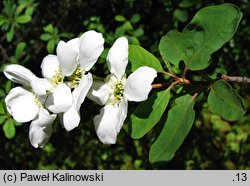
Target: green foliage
127,29
20,54
94,23
194,46
148,113
2,111
225,101
187,3
8,86
120,18
179,122
138,57
9,129
52,37
181,15
12,16
202,36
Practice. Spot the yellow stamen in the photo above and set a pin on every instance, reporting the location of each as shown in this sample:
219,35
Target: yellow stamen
117,94
57,78
74,80
37,101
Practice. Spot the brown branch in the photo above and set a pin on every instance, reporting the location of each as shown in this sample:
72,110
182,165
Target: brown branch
238,79
195,95
159,85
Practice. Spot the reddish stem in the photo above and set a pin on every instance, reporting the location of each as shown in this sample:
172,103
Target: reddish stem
169,74
160,85
195,95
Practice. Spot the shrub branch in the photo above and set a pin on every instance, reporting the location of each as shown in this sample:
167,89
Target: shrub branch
238,79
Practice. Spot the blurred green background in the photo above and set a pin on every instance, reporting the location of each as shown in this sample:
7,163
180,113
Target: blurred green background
30,29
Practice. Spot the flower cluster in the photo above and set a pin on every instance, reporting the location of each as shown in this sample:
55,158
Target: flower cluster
67,82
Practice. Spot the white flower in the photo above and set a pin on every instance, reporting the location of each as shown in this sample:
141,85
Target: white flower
68,70
116,91
26,103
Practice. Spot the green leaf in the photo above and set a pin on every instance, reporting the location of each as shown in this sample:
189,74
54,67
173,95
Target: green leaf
55,33
135,18
2,119
8,86
176,46
138,32
2,110
171,47
138,57
29,11
225,101
20,49
148,113
217,32
187,3
202,36
13,59
119,32
2,93
66,35
49,28
51,46
3,19
18,10
120,18
181,15
127,26
133,40
10,34
45,37
23,19
179,122
9,129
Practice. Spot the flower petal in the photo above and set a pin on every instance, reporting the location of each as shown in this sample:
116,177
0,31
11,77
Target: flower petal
74,44
106,124
21,104
50,66
40,87
138,84
39,136
44,118
60,100
117,58
71,118
19,74
123,111
99,92
91,47
67,58
81,91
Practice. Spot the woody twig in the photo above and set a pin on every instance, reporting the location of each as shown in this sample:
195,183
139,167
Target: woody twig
238,79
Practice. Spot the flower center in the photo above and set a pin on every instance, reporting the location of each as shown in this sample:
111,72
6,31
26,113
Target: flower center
117,86
37,100
118,91
57,78
74,80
